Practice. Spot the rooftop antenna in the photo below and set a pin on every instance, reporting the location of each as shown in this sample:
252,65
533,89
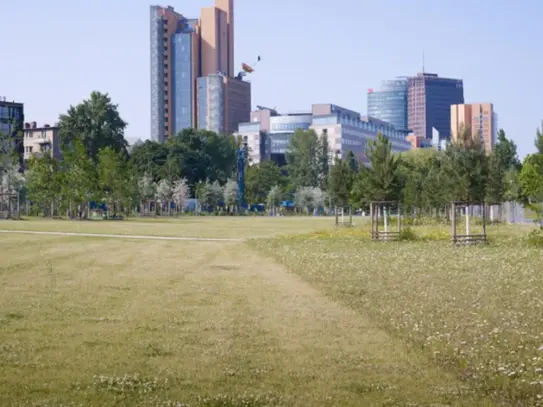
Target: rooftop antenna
422,61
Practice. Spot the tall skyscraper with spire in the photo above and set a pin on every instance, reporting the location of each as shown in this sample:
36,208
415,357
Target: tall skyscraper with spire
193,82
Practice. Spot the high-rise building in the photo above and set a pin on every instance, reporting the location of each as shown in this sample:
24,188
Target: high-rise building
223,103
389,103
217,33
477,118
185,69
429,103
183,50
11,123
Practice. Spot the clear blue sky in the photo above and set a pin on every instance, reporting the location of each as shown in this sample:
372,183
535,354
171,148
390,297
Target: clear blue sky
55,52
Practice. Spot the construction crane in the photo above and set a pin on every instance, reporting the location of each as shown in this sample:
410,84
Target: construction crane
247,69
241,161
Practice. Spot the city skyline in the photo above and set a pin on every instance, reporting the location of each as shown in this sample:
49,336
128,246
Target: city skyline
114,59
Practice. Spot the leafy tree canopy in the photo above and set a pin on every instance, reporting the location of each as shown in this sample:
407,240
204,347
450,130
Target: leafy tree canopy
96,123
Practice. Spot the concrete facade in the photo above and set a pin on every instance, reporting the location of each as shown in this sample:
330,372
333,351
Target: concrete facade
481,120
40,140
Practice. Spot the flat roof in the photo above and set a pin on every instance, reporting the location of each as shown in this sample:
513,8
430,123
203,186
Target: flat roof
12,103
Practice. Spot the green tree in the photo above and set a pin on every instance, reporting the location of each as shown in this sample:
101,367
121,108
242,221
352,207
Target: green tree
200,155
352,161
340,182
506,150
273,199
44,183
96,123
260,178
148,159
309,198
512,188
467,168
323,160
531,179
209,194
382,180
539,139
230,194
495,186
302,159
164,194
112,179
180,192
79,178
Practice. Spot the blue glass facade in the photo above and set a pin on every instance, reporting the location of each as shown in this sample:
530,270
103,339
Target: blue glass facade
11,117
389,103
202,103
429,102
366,127
182,81
211,103
283,127
440,95
11,122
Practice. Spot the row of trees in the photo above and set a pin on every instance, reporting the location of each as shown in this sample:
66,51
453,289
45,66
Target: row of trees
99,166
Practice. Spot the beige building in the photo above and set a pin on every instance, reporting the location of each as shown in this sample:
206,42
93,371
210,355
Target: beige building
479,118
216,31
39,140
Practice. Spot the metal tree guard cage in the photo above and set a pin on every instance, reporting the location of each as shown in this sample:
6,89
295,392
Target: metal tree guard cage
344,216
385,207
468,238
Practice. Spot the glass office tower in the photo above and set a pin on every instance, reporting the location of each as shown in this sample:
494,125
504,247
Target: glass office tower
389,103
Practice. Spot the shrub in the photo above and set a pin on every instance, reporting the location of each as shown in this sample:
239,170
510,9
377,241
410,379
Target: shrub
535,238
408,234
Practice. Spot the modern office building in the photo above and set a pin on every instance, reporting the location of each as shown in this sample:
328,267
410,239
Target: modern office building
11,123
183,50
429,103
223,103
389,103
181,103
479,118
40,140
269,134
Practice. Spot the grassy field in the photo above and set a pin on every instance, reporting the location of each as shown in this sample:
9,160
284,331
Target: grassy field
186,226
475,311
321,319
118,322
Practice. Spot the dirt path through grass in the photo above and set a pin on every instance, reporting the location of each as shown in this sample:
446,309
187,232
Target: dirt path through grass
107,235
196,319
